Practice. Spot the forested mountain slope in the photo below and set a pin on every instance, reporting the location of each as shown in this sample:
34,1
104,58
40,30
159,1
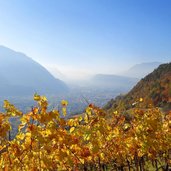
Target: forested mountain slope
154,89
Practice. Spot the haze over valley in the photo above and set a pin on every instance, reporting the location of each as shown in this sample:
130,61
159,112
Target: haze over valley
25,77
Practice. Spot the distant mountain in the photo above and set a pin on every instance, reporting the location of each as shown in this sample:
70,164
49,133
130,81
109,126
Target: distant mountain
141,70
121,83
155,89
20,75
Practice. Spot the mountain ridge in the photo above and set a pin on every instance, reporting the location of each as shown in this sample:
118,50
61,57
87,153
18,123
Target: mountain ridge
154,89
113,81
19,71
142,69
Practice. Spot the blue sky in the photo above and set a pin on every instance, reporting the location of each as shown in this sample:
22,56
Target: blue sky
88,36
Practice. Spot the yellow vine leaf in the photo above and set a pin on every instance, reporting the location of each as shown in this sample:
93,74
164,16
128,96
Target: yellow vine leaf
72,129
141,99
37,97
64,103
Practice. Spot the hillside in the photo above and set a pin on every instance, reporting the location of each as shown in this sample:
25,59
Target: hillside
20,75
142,69
155,89
120,83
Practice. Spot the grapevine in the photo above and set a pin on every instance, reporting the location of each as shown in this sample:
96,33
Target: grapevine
46,140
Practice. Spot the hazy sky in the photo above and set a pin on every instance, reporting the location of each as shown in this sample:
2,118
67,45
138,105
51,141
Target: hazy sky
88,36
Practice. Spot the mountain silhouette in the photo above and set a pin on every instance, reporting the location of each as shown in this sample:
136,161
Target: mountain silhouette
118,82
141,70
20,75
155,89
